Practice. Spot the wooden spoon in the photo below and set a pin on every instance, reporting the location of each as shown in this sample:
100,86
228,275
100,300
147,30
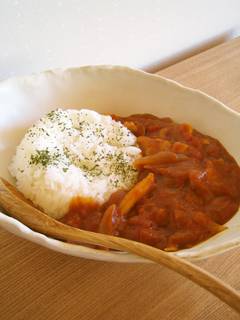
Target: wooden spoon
14,202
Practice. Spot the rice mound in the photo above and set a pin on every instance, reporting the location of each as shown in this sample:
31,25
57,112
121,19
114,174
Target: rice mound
74,153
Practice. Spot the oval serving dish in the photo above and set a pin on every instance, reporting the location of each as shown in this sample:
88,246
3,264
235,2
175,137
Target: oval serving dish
123,91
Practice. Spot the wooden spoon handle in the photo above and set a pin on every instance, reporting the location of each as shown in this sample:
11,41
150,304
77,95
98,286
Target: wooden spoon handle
12,201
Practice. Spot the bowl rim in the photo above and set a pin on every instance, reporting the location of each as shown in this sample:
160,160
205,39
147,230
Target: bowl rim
13,225
153,76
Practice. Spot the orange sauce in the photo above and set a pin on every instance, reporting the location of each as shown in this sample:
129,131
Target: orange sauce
196,191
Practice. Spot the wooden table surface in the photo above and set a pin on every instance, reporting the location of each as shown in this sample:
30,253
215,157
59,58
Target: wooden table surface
37,283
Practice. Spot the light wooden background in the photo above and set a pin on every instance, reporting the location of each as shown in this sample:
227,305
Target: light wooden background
39,284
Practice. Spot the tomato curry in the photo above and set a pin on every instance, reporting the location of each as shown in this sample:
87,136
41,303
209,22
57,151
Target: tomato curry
188,188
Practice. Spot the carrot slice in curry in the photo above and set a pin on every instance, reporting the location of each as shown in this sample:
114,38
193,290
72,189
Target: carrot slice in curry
136,193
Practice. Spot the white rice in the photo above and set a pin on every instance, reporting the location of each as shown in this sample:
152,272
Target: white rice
71,153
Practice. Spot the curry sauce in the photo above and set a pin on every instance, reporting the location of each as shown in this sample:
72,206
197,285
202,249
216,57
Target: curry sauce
194,191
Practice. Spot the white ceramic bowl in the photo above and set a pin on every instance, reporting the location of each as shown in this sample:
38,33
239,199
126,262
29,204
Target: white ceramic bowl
120,90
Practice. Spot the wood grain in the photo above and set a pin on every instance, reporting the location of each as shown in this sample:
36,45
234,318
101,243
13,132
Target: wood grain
37,283
216,72
13,202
